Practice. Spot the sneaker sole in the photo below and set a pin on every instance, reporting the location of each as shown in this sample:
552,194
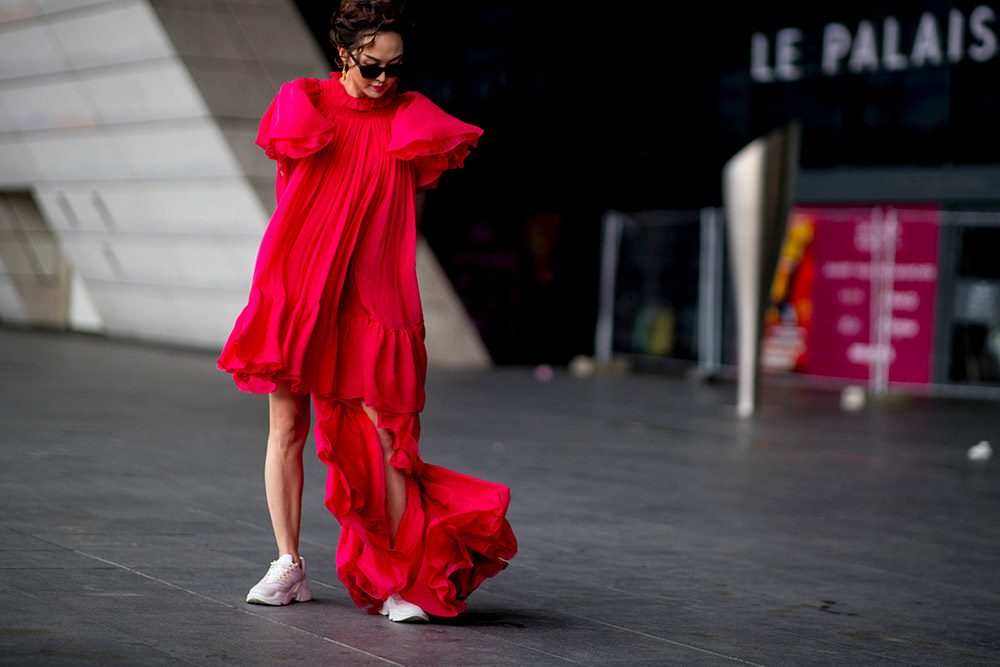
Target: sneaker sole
408,619
415,618
295,595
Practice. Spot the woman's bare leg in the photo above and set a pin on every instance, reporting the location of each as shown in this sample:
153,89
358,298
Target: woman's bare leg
395,479
283,466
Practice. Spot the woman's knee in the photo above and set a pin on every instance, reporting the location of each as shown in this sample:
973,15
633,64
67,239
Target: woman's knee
386,440
289,419
385,437
288,434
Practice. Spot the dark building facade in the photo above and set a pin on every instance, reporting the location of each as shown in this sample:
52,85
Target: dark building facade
637,109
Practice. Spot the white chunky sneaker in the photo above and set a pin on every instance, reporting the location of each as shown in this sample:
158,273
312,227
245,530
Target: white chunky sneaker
401,611
285,581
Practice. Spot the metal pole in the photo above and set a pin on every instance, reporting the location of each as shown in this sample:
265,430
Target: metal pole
709,293
610,244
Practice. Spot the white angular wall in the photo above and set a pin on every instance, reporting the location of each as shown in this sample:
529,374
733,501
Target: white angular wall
131,122
101,121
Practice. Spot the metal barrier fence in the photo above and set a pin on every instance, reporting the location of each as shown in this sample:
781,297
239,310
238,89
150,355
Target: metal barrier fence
665,296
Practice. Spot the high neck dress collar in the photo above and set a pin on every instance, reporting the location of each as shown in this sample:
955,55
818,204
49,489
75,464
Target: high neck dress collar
343,98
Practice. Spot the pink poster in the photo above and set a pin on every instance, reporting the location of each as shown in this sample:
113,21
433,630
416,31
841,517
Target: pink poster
874,293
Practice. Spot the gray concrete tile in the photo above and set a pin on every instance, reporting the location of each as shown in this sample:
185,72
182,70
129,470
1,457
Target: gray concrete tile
12,540
654,526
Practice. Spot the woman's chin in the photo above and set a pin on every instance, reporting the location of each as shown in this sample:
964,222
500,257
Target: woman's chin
378,90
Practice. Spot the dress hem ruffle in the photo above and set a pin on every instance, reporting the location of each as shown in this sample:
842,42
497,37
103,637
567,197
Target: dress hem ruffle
338,361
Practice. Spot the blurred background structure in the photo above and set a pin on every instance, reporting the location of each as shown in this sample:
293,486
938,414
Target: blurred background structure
126,146
132,196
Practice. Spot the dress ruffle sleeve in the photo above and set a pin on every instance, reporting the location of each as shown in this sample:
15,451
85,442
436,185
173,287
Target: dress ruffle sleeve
293,128
432,139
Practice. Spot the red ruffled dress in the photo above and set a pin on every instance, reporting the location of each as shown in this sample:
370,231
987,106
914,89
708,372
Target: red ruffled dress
335,312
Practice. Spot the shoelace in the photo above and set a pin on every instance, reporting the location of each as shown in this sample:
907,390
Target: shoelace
277,572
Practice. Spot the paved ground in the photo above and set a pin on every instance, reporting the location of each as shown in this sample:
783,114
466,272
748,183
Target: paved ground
655,527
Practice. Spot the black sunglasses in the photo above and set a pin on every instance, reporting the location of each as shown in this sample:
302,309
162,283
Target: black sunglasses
374,71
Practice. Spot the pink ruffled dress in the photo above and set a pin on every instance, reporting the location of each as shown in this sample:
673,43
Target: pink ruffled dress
334,311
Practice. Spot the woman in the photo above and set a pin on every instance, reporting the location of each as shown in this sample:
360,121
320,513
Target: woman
334,313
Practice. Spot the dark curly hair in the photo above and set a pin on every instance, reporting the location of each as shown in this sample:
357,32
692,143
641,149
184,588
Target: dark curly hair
356,21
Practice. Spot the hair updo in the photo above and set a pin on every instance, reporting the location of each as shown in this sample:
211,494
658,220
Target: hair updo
356,21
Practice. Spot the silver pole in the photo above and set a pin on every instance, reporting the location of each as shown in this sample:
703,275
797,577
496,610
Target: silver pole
887,286
709,293
610,244
875,294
